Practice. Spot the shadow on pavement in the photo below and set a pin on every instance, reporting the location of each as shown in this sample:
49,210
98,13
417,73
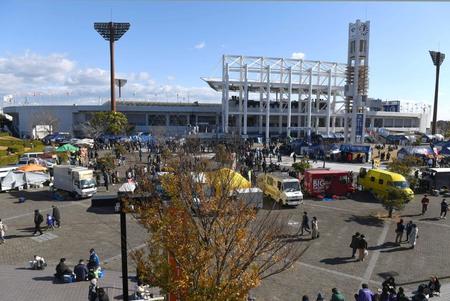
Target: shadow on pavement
383,246
269,204
386,275
367,220
36,195
396,250
338,260
363,197
431,219
45,278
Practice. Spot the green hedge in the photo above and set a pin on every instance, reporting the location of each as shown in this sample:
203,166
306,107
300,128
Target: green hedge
8,160
17,148
3,153
3,134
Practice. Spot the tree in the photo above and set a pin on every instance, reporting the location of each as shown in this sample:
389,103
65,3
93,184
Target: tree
219,253
394,199
405,168
301,166
110,123
223,156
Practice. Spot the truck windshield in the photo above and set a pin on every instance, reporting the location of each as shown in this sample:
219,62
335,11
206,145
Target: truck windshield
291,186
400,184
90,183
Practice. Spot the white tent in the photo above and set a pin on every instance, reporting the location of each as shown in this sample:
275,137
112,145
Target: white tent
13,180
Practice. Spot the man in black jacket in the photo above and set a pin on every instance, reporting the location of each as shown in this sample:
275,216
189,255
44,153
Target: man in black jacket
354,243
56,216
38,219
81,271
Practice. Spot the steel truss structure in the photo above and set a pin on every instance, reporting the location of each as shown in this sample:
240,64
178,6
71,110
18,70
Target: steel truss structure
300,92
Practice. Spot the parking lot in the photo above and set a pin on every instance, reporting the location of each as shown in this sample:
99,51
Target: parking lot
325,264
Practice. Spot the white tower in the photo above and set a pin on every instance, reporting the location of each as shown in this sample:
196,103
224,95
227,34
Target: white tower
357,80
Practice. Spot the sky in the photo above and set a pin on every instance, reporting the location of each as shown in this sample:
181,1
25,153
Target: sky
50,52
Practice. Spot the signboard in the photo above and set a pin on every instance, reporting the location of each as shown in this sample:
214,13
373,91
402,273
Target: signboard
359,124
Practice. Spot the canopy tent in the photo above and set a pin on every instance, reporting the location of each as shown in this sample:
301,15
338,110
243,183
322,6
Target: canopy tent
33,178
418,151
67,148
12,180
351,148
32,167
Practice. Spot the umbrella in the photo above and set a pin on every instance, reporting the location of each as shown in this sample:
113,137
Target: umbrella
32,167
67,148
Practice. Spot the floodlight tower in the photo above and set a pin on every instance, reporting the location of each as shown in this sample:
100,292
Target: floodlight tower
112,32
120,82
438,59
357,82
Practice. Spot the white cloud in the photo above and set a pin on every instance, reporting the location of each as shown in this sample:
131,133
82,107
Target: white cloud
200,45
171,78
298,55
55,78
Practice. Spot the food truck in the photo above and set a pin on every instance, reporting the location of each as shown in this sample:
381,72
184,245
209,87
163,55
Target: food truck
327,182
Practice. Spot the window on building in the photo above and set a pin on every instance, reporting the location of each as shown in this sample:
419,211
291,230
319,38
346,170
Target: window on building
156,120
136,118
398,123
380,181
178,120
388,122
211,120
352,46
362,45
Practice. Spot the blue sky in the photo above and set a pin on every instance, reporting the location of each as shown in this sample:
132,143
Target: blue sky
159,57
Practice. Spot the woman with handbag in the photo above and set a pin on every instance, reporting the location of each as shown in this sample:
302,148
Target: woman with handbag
314,228
362,248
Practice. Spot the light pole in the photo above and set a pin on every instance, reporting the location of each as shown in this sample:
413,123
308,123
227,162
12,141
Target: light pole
438,58
112,32
120,83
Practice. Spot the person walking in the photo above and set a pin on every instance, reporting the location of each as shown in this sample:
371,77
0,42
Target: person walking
425,201
56,216
354,243
3,229
412,238
444,209
38,219
314,228
294,157
106,180
399,232
408,229
305,223
362,248
94,260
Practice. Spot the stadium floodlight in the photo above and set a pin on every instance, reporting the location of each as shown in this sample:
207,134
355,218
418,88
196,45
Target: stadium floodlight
120,82
112,32
438,59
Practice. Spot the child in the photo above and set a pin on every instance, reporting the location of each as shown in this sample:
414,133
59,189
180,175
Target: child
50,222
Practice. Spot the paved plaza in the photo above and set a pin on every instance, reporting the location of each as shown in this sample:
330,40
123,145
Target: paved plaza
325,264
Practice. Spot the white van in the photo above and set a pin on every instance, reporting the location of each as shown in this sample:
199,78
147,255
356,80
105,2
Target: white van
281,187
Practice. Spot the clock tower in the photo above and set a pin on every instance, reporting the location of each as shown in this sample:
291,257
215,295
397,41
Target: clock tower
357,81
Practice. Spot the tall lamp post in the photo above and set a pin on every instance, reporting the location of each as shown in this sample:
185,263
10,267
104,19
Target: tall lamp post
438,58
112,32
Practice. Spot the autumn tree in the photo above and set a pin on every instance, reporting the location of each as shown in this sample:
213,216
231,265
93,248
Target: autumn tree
219,252
394,199
223,155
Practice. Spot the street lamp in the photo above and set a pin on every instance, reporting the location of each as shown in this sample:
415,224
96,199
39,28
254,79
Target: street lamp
112,32
120,83
438,58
